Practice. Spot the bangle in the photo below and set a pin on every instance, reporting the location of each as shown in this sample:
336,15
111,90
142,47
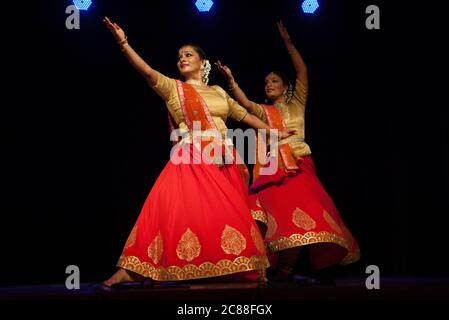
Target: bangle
291,49
123,41
123,46
234,86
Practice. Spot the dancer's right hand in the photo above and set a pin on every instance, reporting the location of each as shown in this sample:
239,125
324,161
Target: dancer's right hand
287,133
224,70
116,31
284,33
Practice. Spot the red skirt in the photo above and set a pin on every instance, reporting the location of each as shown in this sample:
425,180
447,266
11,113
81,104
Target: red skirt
195,223
298,211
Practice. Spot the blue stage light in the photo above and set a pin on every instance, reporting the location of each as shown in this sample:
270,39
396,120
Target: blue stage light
310,6
204,5
82,4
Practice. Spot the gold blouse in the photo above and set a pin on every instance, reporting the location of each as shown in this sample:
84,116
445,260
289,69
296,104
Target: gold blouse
221,105
293,115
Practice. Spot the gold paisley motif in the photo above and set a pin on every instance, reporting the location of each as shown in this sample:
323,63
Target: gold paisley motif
257,239
131,238
303,220
272,226
191,271
189,246
156,248
330,221
232,241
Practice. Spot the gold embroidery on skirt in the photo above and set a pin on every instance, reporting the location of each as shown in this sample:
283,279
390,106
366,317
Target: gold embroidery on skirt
354,250
191,271
303,220
348,236
257,239
272,226
156,248
331,221
259,215
232,241
296,240
189,246
131,238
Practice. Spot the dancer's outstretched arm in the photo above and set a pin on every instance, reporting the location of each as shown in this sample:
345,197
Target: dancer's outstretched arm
297,60
236,91
134,59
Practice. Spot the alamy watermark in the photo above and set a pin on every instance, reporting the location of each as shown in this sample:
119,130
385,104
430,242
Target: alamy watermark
373,20
73,20
210,148
72,282
373,280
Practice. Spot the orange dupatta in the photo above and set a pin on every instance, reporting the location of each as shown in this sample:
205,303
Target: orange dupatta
289,161
194,108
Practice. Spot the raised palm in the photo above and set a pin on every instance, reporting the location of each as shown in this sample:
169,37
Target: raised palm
224,70
116,31
283,32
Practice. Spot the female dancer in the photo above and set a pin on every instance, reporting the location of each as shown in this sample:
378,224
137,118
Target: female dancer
293,203
196,222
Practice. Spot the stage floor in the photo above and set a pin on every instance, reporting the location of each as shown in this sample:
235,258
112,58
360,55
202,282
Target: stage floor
353,289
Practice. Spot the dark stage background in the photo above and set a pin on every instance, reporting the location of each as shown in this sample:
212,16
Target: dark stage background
83,137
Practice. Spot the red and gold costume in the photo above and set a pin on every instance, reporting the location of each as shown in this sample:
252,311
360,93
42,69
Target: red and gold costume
293,203
196,222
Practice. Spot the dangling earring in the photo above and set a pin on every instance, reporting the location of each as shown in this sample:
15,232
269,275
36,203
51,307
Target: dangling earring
206,70
288,93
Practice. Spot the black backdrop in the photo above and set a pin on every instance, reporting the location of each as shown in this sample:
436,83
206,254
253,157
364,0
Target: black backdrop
83,138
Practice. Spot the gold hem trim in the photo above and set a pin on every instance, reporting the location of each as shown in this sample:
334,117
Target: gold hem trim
351,258
191,271
298,240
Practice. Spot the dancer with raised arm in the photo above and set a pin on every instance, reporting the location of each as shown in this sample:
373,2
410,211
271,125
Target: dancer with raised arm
293,203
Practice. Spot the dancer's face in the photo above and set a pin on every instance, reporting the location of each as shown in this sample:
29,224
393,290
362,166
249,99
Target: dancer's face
189,61
274,86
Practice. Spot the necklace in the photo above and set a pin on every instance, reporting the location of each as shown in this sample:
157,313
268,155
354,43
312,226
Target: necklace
195,82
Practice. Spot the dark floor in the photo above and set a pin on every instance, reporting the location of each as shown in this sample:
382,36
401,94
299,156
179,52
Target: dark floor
353,289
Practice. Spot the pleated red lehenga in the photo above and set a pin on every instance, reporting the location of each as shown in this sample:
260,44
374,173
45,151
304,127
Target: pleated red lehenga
298,212
195,222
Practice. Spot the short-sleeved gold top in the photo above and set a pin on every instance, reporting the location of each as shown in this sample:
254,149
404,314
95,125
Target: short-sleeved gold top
293,115
221,105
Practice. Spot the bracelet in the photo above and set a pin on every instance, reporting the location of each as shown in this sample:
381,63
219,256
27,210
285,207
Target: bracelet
123,46
291,49
123,41
234,86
